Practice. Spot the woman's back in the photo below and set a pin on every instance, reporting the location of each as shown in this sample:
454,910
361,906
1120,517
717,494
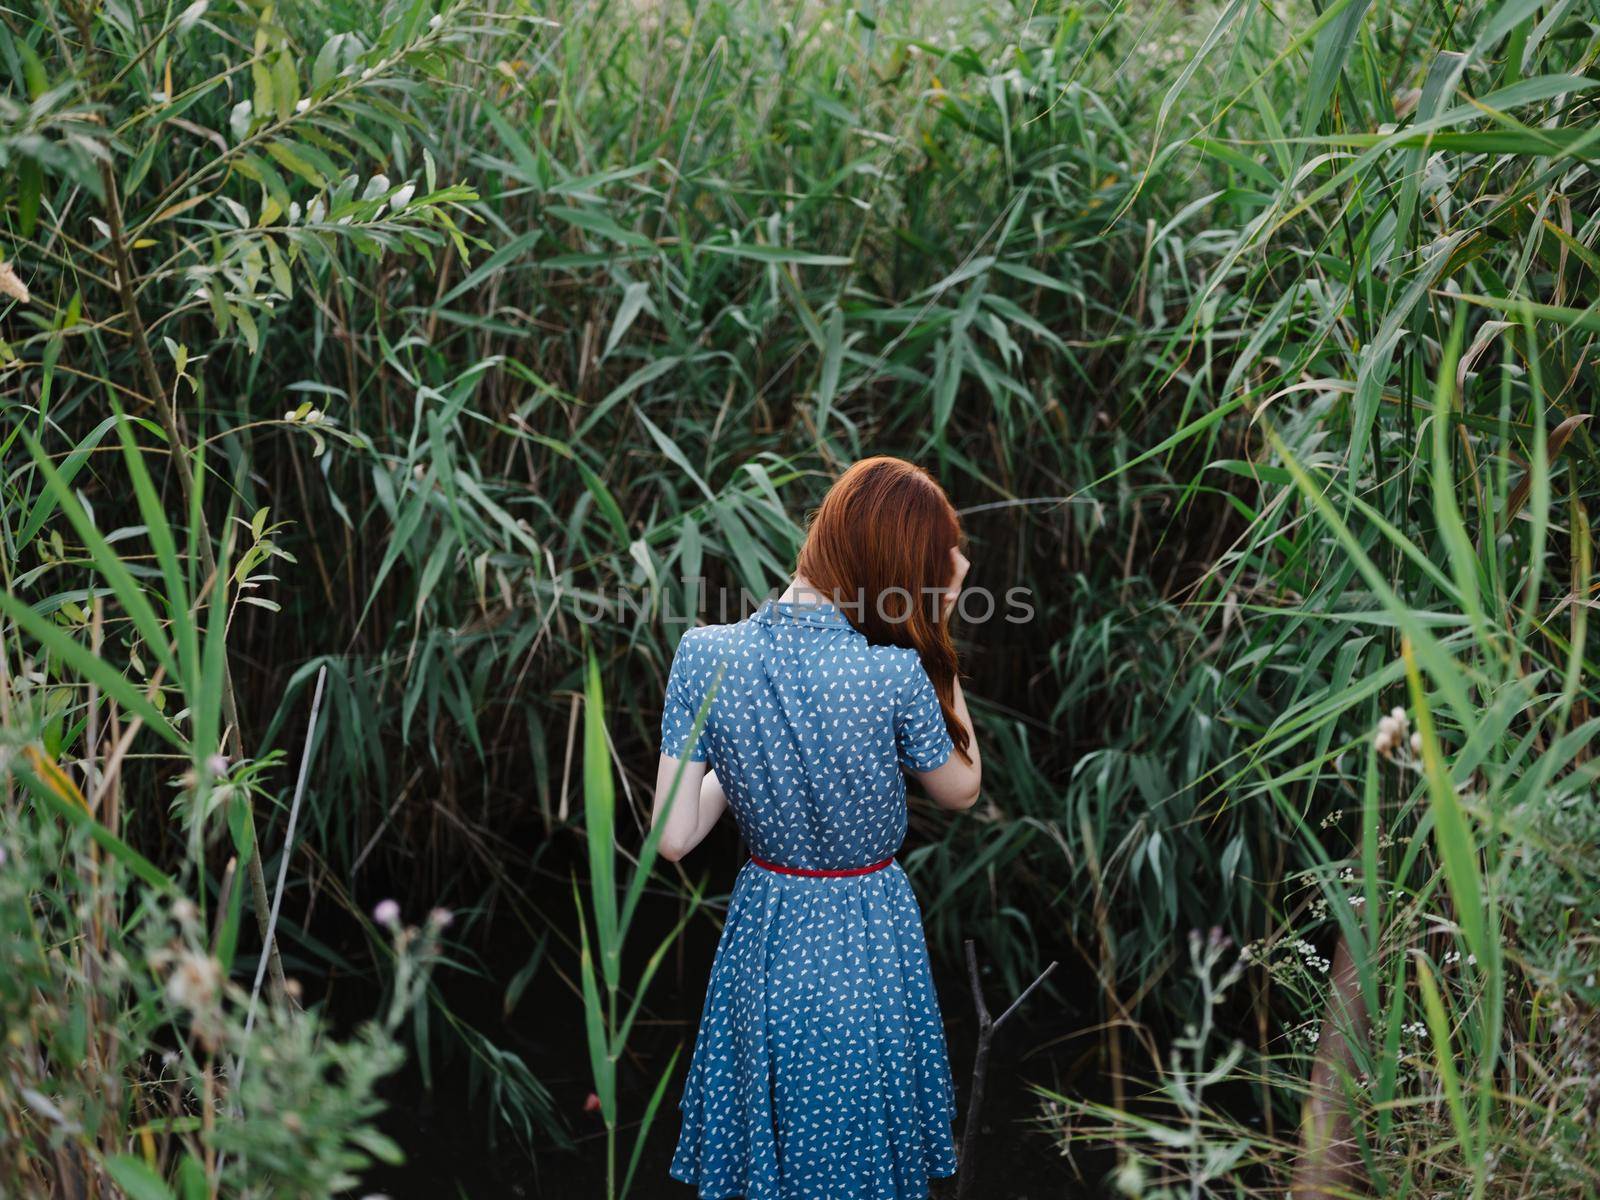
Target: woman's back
820,1070
808,727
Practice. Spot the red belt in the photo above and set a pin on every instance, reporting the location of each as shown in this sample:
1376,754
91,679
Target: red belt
812,873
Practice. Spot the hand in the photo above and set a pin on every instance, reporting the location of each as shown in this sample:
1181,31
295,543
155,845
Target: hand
958,573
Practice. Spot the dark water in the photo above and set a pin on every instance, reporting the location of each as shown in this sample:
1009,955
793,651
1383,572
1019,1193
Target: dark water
449,1134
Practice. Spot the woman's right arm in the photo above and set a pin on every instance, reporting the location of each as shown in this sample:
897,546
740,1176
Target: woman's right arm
685,813
956,783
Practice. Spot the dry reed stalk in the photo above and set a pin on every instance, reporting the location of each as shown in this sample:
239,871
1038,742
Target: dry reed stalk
1329,1166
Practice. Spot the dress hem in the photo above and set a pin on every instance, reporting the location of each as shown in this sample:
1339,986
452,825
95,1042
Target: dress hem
673,1173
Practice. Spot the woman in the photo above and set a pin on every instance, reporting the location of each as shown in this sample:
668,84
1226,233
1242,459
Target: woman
820,1070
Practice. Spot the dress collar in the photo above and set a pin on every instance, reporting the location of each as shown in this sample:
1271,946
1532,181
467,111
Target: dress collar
816,613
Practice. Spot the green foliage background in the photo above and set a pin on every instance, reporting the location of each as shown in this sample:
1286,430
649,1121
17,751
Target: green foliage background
1256,341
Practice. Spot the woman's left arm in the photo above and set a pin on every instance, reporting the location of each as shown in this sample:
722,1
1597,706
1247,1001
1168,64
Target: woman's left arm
688,813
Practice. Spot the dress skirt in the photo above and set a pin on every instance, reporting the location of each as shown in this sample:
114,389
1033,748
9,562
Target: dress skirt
820,1071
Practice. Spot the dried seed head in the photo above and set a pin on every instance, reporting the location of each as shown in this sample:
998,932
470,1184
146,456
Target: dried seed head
11,285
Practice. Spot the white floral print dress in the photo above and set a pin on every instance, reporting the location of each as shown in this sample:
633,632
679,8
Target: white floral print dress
820,1070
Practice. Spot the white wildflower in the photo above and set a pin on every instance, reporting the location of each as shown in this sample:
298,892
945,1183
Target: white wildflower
1129,1178
194,981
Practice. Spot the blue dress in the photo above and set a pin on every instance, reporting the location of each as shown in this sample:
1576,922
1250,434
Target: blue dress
820,1070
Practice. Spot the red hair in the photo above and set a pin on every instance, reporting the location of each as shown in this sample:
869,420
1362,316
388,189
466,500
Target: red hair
879,548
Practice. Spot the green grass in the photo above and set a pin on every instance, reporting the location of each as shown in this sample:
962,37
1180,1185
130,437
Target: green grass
1257,341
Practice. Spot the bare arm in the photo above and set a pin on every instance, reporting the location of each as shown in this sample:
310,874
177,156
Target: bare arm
955,784
687,814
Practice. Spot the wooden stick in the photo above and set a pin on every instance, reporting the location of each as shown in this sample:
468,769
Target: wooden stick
987,1027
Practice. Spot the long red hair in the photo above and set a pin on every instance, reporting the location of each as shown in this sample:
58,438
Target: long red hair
879,548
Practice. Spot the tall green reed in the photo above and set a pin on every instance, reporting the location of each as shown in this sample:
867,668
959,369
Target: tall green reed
133,1063
610,1013
175,187
1398,554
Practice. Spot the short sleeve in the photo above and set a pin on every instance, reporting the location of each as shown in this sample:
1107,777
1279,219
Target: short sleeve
685,692
921,738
